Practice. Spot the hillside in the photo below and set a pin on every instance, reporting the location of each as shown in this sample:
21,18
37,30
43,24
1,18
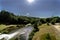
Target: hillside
45,33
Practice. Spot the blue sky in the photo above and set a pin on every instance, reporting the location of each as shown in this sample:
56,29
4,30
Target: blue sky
39,8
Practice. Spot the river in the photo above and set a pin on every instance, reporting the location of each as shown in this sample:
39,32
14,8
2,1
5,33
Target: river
23,33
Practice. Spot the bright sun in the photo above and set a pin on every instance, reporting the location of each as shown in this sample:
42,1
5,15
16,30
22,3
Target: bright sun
30,1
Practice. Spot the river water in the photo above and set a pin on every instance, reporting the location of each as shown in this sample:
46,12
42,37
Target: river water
23,33
25,36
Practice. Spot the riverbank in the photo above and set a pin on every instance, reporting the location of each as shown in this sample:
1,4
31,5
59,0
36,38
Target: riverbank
6,29
25,31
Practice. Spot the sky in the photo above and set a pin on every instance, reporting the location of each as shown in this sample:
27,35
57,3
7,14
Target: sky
38,8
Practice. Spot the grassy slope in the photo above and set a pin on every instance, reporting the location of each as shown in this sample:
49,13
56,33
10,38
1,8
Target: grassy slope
43,31
2,27
6,28
9,28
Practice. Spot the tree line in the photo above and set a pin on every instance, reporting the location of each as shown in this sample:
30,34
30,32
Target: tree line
9,18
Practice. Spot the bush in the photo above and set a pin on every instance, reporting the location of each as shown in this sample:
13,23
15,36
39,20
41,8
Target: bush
53,23
31,35
47,23
47,37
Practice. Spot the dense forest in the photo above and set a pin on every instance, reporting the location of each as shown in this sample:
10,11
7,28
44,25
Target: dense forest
9,18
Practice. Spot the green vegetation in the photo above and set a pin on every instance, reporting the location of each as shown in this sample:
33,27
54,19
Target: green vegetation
42,28
47,37
35,25
8,28
2,27
9,18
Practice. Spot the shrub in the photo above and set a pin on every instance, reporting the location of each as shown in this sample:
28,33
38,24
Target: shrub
53,23
47,37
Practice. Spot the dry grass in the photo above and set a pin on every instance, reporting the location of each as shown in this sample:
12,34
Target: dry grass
43,30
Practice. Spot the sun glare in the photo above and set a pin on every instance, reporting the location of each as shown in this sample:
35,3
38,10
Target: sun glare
30,1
